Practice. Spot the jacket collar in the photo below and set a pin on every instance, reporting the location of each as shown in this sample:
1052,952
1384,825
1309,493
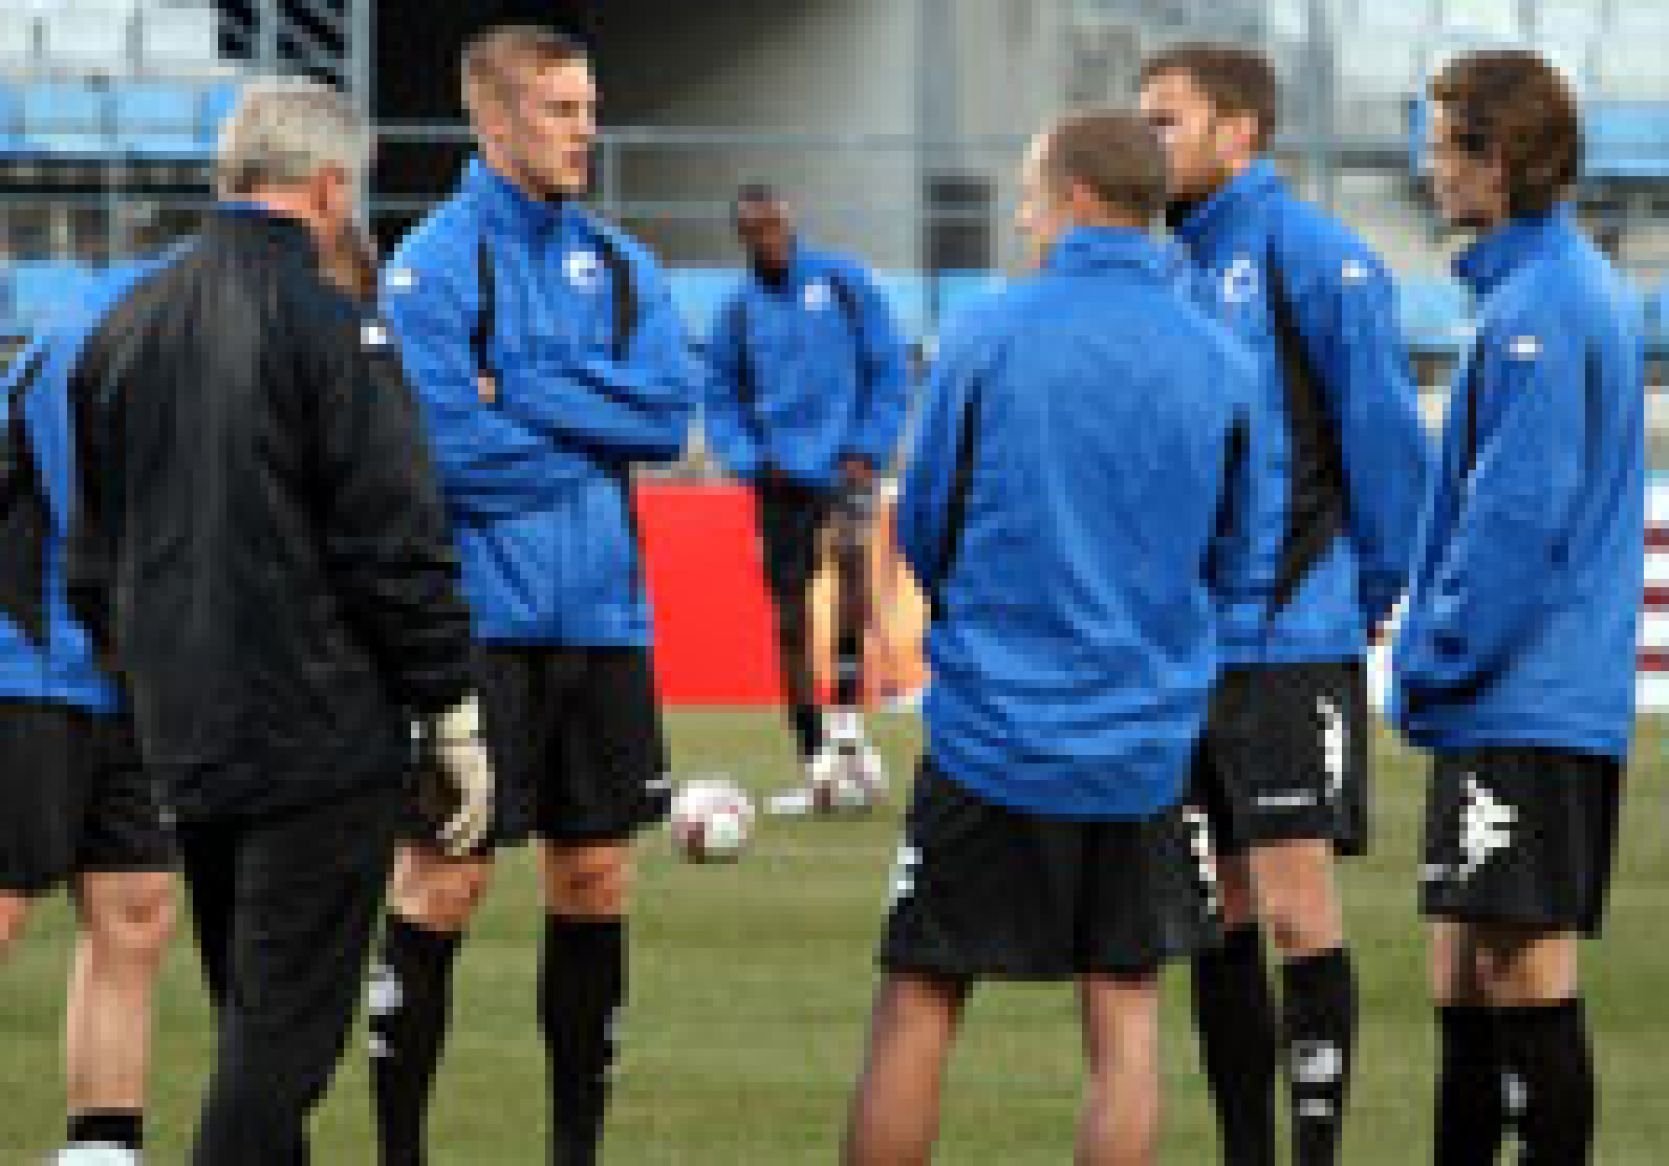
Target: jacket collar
801,268
1253,184
251,220
1498,254
1085,249
508,202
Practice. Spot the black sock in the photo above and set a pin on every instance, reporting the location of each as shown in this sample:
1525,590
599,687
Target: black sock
113,1127
807,720
410,999
582,985
1549,1067
1470,1117
1319,1010
1235,1016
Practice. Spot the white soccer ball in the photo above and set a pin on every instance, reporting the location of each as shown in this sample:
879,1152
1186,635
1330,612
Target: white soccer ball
712,821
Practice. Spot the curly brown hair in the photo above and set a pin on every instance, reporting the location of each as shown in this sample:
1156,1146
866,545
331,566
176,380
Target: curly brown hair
1514,104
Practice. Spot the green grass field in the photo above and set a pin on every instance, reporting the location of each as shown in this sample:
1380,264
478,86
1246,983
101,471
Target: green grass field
751,985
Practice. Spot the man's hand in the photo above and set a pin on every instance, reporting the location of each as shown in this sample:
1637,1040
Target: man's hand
486,387
458,761
856,471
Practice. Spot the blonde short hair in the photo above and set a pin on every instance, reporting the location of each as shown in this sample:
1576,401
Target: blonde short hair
492,59
284,130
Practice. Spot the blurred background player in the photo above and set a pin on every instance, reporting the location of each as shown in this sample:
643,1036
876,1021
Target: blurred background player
77,807
805,400
1515,665
1282,773
1070,507
278,619
548,358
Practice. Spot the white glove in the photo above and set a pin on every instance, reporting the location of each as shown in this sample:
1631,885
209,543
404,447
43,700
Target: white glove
461,760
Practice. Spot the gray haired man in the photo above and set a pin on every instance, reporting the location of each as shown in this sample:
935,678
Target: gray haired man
260,554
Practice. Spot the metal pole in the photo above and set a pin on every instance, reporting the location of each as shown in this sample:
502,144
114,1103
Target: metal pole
266,36
1322,97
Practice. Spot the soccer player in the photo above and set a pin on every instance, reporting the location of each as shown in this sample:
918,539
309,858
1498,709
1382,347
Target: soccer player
1515,665
548,358
1069,507
1281,778
77,808
259,550
805,401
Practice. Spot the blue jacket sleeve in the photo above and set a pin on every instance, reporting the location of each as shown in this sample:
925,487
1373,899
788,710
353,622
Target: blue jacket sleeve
490,464
930,470
636,409
884,374
1347,317
729,428
1516,507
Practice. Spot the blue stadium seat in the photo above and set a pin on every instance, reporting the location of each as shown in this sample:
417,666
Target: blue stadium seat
155,119
699,292
43,288
1434,315
907,293
218,100
955,290
65,117
1628,140
11,121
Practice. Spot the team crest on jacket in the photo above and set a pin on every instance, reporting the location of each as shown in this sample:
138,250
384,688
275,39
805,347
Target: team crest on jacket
1524,347
584,270
816,296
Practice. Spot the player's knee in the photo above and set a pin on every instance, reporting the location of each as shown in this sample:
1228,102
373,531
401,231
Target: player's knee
590,882
1297,902
443,896
131,919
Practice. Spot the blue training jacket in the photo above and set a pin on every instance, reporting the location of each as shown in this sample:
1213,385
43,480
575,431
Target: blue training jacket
1071,507
1348,449
55,661
1524,610
805,374
572,322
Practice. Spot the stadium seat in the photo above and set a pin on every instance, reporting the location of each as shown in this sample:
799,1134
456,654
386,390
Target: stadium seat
87,35
906,293
1628,140
698,293
17,40
65,117
955,290
11,122
179,38
42,289
1433,314
155,119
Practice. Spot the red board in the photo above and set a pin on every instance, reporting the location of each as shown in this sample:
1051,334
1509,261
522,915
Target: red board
715,642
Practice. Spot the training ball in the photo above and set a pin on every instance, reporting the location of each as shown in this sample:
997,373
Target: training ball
712,821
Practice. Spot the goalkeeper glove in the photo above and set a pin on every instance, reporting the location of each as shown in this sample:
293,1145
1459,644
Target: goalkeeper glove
456,778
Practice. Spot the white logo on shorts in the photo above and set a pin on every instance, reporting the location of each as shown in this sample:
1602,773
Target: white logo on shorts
904,874
1199,843
1335,745
1485,827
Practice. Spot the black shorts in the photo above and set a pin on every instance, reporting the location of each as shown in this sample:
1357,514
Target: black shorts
1517,835
74,798
981,890
791,521
575,739
1284,757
